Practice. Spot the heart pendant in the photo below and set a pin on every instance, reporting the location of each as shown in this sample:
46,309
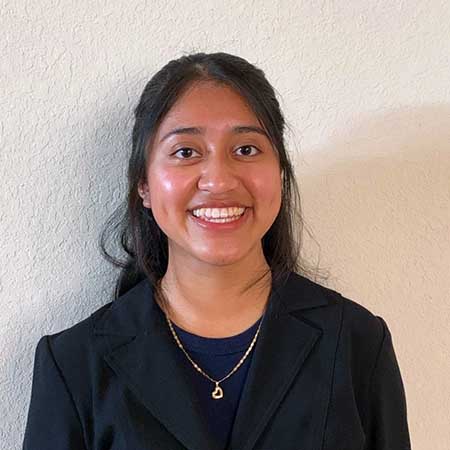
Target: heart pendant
217,393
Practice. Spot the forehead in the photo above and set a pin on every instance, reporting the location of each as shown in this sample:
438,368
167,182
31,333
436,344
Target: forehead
210,105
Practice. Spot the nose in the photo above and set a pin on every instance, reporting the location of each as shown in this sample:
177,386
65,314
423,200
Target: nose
218,174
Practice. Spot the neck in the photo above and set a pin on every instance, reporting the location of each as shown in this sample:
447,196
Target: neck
216,301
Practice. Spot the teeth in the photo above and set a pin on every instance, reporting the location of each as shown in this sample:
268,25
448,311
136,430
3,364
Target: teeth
215,213
221,220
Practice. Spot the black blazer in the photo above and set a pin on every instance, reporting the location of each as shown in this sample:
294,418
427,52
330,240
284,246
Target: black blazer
324,376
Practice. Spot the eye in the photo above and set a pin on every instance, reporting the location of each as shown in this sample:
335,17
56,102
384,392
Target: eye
246,147
187,151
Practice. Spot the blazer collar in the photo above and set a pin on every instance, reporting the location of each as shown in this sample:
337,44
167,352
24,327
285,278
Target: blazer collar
139,348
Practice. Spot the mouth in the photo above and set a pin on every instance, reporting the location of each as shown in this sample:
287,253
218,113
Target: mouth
228,218
221,223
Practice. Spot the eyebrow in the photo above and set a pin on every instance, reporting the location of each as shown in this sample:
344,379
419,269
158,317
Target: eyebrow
199,130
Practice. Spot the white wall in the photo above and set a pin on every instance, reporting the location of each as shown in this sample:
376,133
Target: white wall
366,88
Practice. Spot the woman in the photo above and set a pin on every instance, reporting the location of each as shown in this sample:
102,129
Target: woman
216,338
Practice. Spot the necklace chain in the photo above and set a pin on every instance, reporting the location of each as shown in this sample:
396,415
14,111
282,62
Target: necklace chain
218,391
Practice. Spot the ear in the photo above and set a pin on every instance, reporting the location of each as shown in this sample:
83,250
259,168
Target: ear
144,193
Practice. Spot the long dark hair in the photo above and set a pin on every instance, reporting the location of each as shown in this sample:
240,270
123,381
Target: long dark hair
133,225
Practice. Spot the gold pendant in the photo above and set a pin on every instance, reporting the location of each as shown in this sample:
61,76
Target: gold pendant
217,393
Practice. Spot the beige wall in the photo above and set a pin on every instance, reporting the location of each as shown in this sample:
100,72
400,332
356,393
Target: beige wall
366,90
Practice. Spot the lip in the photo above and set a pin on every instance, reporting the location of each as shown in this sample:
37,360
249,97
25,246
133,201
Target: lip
216,226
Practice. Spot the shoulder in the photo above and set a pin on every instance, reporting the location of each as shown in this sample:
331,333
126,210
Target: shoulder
358,321
357,324
81,343
73,347
355,333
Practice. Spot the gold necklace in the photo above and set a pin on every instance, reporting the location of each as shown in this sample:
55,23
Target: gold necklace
217,393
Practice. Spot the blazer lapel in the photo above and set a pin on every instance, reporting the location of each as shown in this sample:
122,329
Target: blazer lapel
142,351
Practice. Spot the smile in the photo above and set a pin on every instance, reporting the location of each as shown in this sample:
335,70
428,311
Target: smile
219,215
221,220
206,221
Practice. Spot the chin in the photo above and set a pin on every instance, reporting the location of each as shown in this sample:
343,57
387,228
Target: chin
225,259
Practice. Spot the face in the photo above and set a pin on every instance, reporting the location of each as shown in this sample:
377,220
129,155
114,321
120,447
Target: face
211,151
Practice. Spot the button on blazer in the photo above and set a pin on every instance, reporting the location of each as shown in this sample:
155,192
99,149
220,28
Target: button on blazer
324,376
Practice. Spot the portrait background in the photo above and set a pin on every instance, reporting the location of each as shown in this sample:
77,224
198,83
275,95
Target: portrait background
365,89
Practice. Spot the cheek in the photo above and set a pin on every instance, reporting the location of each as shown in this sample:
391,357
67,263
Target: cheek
167,187
267,188
272,196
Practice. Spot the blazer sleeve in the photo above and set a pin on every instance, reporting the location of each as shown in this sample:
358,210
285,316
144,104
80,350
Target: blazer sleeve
53,422
388,424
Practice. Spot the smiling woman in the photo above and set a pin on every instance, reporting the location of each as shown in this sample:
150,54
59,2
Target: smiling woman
217,338
206,168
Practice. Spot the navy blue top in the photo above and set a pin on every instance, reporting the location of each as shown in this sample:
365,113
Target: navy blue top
217,357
